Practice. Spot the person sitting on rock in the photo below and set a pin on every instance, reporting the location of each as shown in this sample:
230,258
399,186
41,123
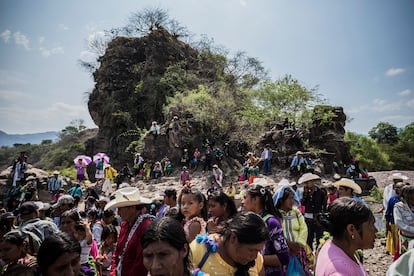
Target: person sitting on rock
298,165
154,130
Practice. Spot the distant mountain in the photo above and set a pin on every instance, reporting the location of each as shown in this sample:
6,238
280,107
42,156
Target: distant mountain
33,138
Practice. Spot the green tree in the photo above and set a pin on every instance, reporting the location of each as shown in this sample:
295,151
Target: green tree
384,133
287,98
367,151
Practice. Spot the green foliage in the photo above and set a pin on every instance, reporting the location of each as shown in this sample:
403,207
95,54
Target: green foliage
287,98
377,194
323,115
69,172
384,133
370,155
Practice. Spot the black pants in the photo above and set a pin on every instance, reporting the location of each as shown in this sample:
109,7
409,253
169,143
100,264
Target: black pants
314,231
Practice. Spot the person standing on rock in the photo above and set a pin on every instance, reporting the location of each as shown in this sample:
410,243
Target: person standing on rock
55,183
266,157
154,130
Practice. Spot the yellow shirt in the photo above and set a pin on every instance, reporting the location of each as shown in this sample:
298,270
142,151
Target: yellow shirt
294,226
215,265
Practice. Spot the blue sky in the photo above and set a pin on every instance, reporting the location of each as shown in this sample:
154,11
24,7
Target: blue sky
360,53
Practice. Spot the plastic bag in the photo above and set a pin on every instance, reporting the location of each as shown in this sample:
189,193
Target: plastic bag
295,267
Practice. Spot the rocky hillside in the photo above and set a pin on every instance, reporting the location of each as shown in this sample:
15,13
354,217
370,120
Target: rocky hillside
134,81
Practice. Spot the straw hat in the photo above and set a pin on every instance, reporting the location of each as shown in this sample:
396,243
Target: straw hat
285,182
125,197
299,152
56,172
30,178
261,181
346,182
308,177
397,176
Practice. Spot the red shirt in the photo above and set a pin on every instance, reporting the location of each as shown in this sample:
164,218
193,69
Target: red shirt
133,260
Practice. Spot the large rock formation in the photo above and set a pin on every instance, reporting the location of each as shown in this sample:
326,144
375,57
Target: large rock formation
131,87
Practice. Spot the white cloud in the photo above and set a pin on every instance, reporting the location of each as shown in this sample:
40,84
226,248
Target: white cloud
410,103
405,92
63,27
6,35
48,52
21,39
380,105
394,71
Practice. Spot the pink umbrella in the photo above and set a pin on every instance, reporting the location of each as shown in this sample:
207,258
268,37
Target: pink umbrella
86,160
101,155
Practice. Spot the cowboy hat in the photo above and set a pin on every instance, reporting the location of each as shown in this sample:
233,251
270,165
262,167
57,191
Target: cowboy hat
397,176
261,181
346,182
30,178
56,172
336,176
129,196
308,177
283,182
299,152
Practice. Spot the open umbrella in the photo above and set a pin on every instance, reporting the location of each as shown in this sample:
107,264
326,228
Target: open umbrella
100,155
86,160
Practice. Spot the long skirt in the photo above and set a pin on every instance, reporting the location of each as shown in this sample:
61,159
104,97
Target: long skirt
392,239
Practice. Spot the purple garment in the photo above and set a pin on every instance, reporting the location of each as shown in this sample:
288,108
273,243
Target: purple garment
276,245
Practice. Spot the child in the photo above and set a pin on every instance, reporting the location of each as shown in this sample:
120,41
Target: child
185,175
109,238
332,194
83,234
193,206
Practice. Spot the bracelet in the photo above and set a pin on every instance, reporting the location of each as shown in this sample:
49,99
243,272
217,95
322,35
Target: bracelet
197,272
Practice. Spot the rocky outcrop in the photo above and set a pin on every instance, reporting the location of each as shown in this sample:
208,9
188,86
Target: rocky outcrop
327,134
326,140
131,87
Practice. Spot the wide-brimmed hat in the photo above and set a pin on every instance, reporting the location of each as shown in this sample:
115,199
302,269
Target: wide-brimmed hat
349,183
299,152
283,182
56,172
308,177
27,208
261,181
30,178
42,206
398,176
128,196
336,176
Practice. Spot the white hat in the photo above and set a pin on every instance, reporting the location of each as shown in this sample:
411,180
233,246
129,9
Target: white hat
308,177
283,182
299,152
128,196
260,181
30,178
346,182
398,176
56,172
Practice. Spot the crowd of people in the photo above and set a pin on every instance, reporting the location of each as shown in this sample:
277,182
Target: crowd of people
297,227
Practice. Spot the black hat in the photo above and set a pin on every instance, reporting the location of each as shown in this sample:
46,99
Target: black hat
28,208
